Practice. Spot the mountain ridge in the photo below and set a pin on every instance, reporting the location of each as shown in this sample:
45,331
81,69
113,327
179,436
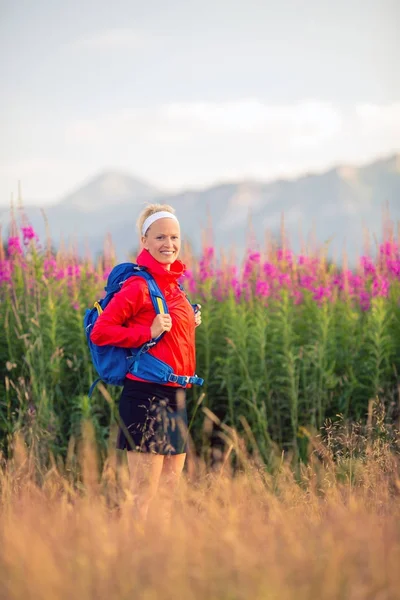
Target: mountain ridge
337,201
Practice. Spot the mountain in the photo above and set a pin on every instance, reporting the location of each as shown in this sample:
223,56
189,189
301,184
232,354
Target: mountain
95,194
89,212
336,205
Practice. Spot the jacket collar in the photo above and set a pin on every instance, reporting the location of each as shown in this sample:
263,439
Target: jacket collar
145,259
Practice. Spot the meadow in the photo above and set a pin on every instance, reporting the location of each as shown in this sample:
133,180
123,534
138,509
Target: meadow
286,343
332,532
292,483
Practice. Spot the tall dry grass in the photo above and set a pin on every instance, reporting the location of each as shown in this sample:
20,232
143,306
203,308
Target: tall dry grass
329,531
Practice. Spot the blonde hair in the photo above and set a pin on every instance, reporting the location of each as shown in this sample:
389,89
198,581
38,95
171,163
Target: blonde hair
151,209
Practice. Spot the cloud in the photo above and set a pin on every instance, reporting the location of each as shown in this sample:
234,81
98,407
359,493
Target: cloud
30,167
250,115
378,121
308,123
179,145
114,39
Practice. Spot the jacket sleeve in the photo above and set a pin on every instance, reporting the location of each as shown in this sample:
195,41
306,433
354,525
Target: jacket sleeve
110,328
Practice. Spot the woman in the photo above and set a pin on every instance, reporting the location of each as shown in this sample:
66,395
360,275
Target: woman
154,414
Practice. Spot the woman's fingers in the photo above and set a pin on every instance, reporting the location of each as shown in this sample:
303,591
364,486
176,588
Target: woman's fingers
160,324
163,322
166,322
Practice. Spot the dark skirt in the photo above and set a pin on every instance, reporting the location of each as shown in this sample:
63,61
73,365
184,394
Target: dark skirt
154,418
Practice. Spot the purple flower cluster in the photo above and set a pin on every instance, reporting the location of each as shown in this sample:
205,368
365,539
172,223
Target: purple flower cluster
28,235
301,277
206,270
54,270
5,271
14,246
60,268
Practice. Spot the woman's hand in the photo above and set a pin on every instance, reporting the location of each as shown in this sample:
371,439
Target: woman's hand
160,324
197,315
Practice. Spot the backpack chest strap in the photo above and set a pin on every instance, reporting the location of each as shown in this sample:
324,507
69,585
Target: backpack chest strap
184,380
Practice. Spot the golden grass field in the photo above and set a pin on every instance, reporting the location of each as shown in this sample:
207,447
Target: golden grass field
332,531
286,344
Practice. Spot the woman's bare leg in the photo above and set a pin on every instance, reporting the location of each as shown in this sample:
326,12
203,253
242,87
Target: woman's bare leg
144,471
169,478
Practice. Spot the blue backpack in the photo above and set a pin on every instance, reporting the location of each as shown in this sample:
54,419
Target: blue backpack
113,363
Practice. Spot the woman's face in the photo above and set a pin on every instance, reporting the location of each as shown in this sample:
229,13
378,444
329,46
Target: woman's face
163,240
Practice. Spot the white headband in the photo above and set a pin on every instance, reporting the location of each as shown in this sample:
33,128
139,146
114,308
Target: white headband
162,214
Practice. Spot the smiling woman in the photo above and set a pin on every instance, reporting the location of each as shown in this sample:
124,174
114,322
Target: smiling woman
161,236
154,414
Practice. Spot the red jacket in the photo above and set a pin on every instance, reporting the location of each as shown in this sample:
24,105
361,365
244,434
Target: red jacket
128,317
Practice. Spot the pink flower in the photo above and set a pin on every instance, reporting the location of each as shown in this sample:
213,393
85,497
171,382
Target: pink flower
357,281
74,271
394,266
388,249
50,267
303,260
307,281
298,296
28,234
365,301
368,265
5,271
14,246
380,287
236,288
337,280
262,288
245,291
322,292
286,255
270,270
205,264
254,257
209,252
192,287
284,279
251,264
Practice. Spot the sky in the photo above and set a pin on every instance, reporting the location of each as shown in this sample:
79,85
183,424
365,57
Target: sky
187,94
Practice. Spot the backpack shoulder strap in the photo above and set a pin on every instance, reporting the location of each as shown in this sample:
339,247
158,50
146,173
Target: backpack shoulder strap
156,295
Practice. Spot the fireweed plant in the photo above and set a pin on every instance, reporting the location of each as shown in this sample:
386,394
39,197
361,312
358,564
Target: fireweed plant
287,343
